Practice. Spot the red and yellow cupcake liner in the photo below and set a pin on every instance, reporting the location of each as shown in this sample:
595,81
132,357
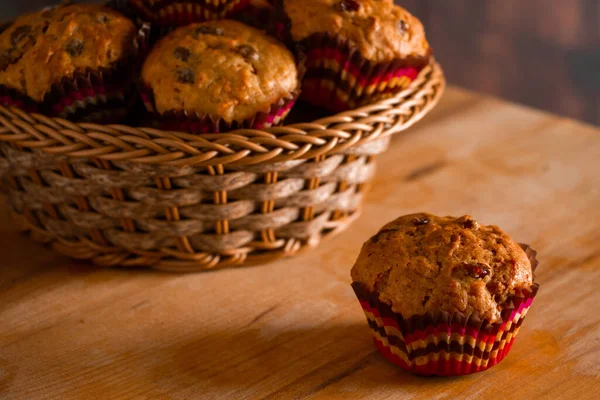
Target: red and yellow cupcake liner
91,95
338,77
103,95
10,97
185,121
444,344
184,12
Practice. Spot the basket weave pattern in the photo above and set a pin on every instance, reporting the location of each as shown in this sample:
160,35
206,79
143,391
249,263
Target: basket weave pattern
124,196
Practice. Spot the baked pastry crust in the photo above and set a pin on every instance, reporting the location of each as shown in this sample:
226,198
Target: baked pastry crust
379,29
421,264
223,69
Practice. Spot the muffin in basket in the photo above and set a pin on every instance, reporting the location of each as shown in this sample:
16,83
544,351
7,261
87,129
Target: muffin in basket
182,12
74,61
357,51
442,295
216,76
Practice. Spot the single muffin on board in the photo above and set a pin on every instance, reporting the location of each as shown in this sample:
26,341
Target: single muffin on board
75,61
182,12
443,295
357,51
217,76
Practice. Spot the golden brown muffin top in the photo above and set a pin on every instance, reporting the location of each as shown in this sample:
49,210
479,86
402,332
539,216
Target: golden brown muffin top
222,68
380,30
421,263
39,49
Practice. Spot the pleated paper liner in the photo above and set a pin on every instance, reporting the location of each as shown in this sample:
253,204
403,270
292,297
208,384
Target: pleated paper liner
10,97
338,77
444,344
184,121
181,12
103,95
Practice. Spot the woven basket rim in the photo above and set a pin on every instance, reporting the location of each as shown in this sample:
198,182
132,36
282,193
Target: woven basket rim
297,141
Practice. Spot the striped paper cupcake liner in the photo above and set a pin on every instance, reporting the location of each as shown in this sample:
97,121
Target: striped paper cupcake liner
91,95
185,121
10,97
183,12
338,77
444,344
99,95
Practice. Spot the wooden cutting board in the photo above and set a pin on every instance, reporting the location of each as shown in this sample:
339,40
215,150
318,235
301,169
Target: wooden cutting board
293,328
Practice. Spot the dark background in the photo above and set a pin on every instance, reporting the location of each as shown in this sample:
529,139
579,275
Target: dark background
543,53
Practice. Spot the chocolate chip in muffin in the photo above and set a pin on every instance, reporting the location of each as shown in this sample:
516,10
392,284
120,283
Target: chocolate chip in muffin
479,271
381,233
208,30
248,52
185,75
182,53
402,26
19,34
74,47
348,5
468,222
473,270
102,18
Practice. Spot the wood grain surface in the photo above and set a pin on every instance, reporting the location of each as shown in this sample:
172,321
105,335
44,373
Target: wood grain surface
293,329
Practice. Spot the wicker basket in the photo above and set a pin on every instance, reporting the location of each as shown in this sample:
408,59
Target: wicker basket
123,196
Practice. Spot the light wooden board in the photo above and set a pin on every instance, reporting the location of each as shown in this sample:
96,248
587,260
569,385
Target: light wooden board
293,329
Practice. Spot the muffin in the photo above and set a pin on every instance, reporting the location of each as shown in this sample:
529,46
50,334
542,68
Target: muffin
216,76
182,12
443,295
357,51
72,61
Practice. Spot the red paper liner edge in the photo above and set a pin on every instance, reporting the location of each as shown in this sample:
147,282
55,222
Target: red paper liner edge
338,77
104,95
445,344
10,97
182,12
185,121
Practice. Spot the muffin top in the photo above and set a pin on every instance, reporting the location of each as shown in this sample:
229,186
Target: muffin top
222,68
421,263
379,29
39,49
